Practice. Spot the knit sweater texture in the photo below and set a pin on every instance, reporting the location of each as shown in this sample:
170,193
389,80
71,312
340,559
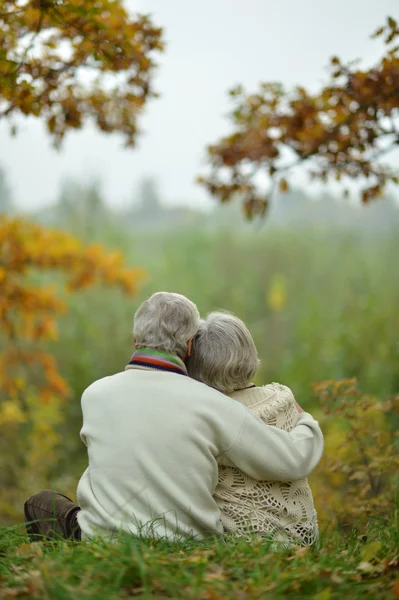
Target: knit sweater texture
277,509
154,439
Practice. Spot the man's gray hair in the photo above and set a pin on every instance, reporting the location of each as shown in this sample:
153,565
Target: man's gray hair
166,322
224,355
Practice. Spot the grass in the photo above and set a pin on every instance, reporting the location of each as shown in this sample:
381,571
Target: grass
340,566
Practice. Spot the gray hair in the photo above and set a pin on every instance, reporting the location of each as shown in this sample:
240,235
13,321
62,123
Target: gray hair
224,355
166,322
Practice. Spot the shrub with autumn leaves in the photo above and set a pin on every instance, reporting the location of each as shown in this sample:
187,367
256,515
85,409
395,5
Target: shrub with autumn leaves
32,391
357,479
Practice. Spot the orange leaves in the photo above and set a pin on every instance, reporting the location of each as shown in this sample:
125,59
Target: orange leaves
16,362
29,307
32,390
99,37
25,246
95,265
344,129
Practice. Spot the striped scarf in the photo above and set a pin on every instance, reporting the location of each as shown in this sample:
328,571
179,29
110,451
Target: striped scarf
148,359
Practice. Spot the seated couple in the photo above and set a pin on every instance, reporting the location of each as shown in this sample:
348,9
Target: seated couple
183,444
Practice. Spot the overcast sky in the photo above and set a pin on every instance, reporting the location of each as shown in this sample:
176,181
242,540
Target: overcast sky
211,46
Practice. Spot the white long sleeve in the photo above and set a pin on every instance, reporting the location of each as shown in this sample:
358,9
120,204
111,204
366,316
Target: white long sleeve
266,452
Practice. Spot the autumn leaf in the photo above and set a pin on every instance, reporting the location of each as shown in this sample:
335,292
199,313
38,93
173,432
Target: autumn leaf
342,128
324,594
216,573
370,551
120,48
300,551
34,581
366,567
33,550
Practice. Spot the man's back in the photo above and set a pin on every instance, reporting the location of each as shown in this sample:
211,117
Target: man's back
153,439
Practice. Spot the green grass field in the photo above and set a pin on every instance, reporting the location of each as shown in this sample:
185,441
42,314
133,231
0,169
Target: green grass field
358,565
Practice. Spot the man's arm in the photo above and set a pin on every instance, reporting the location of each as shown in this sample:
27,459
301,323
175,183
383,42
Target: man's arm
264,452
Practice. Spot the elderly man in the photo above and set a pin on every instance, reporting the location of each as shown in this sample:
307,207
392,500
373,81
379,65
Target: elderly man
153,437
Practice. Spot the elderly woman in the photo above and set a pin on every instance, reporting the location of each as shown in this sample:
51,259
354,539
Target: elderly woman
154,436
225,358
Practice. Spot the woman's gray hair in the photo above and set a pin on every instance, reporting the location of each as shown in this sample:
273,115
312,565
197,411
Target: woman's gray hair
166,322
224,355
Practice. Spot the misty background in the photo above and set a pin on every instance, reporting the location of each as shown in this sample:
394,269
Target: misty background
210,47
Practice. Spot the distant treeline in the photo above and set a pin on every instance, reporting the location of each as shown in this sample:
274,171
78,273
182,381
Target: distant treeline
83,208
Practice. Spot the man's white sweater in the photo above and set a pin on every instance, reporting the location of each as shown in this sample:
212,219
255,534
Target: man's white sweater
153,441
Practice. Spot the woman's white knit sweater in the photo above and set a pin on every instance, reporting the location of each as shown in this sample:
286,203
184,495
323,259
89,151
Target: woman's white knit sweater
283,510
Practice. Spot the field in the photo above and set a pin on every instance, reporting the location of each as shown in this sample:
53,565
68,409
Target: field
357,566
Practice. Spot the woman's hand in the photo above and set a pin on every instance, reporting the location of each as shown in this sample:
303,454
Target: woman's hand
299,408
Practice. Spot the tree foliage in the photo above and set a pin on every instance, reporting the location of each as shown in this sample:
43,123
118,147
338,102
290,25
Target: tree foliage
68,61
65,62
28,308
341,132
31,387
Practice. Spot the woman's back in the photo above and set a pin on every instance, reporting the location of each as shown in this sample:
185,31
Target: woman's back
284,510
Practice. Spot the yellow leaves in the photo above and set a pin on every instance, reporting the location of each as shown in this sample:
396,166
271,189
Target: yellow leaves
100,36
370,551
29,309
46,328
276,296
13,365
356,476
198,558
11,413
43,433
324,594
26,245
